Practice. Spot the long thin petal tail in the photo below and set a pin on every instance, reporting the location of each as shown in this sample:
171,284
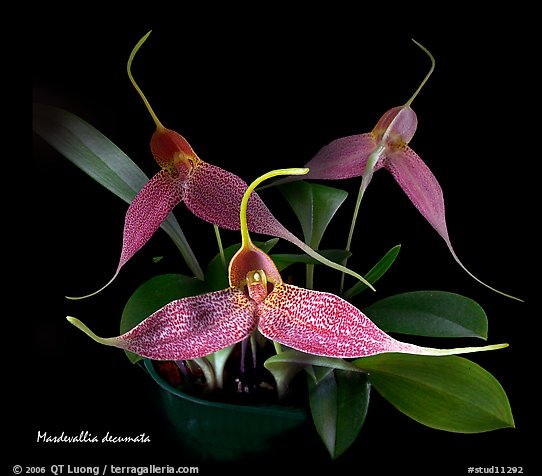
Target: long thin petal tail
214,195
136,48
317,256
76,298
324,324
111,341
427,76
425,193
414,349
187,328
474,277
146,213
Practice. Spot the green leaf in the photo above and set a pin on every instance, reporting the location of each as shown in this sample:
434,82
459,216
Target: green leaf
447,393
102,160
153,295
282,261
287,364
314,205
429,313
303,359
378,270
339,403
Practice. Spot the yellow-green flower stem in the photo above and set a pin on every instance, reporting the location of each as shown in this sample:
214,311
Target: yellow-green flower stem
365,179
309,276
220,248
245,236
159,125
278,347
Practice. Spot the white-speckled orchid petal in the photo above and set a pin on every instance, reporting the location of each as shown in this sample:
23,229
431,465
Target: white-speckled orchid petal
148,210
342,158
187,328
425,193
420,186
324,324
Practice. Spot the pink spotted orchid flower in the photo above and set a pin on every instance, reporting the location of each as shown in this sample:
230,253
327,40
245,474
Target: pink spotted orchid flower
386,146
313,322
211,193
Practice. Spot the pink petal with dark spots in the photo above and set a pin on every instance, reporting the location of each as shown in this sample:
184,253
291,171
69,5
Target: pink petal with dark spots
423,190
148,210
420,186
343,158
323,324
214,195
188,328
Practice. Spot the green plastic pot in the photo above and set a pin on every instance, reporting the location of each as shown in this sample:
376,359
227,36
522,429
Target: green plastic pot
222,432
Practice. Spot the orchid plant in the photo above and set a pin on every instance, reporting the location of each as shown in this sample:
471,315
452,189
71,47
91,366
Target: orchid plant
196,324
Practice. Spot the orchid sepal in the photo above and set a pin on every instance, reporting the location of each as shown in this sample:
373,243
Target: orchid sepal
187,328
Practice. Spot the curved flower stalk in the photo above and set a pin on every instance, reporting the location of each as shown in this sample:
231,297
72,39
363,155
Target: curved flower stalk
314,322
211,193
386,146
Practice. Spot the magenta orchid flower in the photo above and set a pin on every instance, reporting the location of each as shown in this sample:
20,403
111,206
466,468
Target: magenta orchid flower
386,146
211,193
314,322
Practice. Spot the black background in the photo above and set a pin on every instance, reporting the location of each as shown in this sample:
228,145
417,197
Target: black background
253,90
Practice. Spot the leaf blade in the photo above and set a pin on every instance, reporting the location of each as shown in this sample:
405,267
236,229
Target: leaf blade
447,393
314,205
339,402
376,272
296,357
93,153
285,365
430,313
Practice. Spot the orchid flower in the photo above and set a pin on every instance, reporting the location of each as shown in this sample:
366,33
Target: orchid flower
211,193
314,322
386,146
